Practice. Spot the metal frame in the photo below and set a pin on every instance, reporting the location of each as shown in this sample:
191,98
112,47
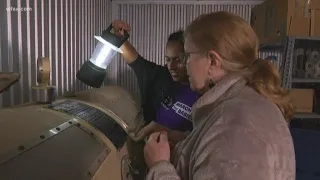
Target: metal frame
98,125
288,62
51,133
290,44
34,142
192,2
92,169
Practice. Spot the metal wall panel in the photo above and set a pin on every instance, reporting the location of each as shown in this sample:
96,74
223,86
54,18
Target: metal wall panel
63,31
152,22
59,29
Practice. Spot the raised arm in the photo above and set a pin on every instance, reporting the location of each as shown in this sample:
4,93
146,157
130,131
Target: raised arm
130,53
147,72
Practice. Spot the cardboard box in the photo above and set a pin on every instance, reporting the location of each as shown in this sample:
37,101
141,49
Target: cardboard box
315,23
315,18
314,4
302,100
273,20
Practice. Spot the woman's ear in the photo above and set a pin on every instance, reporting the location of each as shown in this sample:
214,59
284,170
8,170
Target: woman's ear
215,59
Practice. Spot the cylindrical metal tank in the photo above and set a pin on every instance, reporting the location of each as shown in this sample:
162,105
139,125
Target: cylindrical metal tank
76,138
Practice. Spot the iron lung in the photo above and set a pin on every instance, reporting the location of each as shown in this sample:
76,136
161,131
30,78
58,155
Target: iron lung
74,138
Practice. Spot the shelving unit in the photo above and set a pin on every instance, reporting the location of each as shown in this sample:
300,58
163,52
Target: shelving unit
287,47
307,116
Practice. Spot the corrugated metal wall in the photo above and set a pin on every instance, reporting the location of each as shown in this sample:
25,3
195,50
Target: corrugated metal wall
152,23
63,31
59,29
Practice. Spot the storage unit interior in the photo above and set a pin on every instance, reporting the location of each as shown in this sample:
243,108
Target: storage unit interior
289,32
289,27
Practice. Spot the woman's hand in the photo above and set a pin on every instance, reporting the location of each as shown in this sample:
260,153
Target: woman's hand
157,149
150,128
119,27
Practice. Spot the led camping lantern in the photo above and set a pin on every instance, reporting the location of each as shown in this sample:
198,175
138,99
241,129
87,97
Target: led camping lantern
93,72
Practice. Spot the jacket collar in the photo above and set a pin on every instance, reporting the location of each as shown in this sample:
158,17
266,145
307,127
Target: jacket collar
225,89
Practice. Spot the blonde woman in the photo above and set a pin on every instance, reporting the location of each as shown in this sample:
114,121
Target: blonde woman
241,123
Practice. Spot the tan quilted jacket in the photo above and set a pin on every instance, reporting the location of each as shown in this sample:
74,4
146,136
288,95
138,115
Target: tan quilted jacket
238,135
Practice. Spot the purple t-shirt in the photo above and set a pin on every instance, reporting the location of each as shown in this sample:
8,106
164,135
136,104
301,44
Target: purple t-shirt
175,113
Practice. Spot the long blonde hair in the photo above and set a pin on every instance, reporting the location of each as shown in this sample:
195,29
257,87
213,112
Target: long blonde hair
237,44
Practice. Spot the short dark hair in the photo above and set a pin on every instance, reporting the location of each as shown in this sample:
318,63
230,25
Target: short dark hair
177,36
